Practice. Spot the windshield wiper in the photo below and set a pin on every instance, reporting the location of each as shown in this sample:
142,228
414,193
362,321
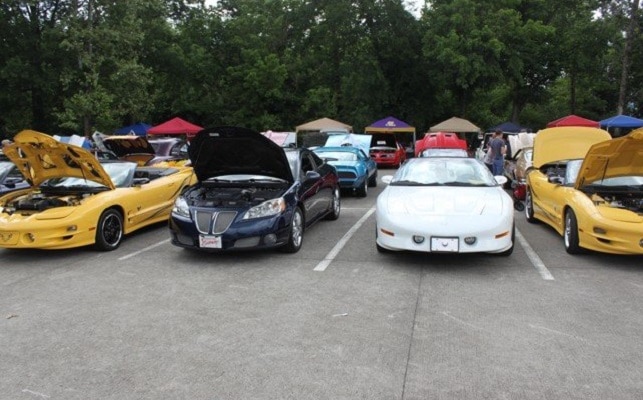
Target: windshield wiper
407,183
463,184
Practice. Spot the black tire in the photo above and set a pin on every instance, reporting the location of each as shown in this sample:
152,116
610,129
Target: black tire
510,250
529,207
363,190
109,232
519,205
570,233
296,236
372,182
336,206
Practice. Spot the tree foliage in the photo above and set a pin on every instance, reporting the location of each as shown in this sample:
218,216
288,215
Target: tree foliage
84,65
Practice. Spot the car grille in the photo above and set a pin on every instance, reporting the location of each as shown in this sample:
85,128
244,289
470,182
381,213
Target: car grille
213,222
346,175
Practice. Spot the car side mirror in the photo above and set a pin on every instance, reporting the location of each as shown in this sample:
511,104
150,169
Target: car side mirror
140,181
557,180
312,175
500,179
387,179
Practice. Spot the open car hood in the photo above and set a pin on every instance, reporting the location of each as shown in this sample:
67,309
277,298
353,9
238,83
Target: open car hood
613,158
233,150
40,157
125,145
565,143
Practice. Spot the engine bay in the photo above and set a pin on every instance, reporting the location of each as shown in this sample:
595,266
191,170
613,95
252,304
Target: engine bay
37,202
628,201
231,196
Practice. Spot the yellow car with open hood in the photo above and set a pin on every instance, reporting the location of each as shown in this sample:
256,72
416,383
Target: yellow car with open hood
589,188
76,200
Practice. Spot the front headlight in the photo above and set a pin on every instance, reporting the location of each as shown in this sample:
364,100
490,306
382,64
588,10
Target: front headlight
181,207
266,209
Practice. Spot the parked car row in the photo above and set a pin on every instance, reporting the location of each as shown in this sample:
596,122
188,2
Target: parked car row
243,191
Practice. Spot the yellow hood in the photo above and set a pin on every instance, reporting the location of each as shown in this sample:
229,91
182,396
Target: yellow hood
613,158
41,157
565,143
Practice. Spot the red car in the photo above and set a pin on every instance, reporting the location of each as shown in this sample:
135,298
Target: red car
440,140
386,151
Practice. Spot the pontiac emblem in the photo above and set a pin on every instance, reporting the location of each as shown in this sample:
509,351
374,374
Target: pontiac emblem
5,237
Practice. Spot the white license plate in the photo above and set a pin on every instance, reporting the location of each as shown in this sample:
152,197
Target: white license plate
210,242
449,245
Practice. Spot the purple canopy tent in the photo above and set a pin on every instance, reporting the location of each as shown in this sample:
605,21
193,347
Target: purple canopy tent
393,125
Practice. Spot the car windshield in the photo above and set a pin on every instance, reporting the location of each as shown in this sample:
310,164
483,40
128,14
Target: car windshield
443,172
444,153
293,162
121,174
337,155
5,166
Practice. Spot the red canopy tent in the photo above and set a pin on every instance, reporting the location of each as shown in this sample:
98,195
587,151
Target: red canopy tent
175,126
573,120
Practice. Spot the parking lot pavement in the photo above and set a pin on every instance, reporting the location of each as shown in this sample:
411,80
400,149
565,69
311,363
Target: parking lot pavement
154,321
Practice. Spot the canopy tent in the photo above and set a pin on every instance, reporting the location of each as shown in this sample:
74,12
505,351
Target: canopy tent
323,124
573,120
389,125
139,129
175,126
621,121
508,126
455,124
394,126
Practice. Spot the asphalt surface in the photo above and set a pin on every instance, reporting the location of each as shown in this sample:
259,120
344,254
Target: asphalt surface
337,320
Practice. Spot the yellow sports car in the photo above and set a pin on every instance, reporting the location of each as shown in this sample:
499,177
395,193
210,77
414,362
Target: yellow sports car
589,188
76,200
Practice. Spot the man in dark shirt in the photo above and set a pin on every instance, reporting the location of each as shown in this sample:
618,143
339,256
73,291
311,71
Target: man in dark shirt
498,148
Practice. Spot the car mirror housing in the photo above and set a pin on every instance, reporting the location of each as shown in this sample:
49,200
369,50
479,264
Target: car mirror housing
312,175
556,180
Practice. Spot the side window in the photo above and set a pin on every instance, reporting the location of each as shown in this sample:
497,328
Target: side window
14,173
317,161
306,163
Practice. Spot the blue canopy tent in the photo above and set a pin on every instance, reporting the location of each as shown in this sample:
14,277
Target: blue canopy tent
507,127
139,129
621,121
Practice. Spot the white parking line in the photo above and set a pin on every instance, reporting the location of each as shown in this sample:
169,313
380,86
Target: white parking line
323,264
533,257
144,250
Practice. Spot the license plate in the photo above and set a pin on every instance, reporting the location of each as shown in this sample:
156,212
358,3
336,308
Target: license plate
448,245
210,242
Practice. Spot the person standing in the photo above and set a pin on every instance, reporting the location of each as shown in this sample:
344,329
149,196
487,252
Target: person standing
498,148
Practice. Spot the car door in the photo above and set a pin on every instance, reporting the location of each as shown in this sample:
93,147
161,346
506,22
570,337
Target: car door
550,192
311,186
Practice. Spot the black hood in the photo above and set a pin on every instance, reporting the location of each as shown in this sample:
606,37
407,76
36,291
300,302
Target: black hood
226,150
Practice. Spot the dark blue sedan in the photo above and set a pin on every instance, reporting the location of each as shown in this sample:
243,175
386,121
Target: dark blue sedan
252,193
356,170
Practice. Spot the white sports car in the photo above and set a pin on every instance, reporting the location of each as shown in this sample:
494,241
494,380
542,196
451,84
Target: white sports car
445,205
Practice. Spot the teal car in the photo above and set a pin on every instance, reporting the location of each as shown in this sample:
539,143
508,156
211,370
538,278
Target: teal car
356,170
